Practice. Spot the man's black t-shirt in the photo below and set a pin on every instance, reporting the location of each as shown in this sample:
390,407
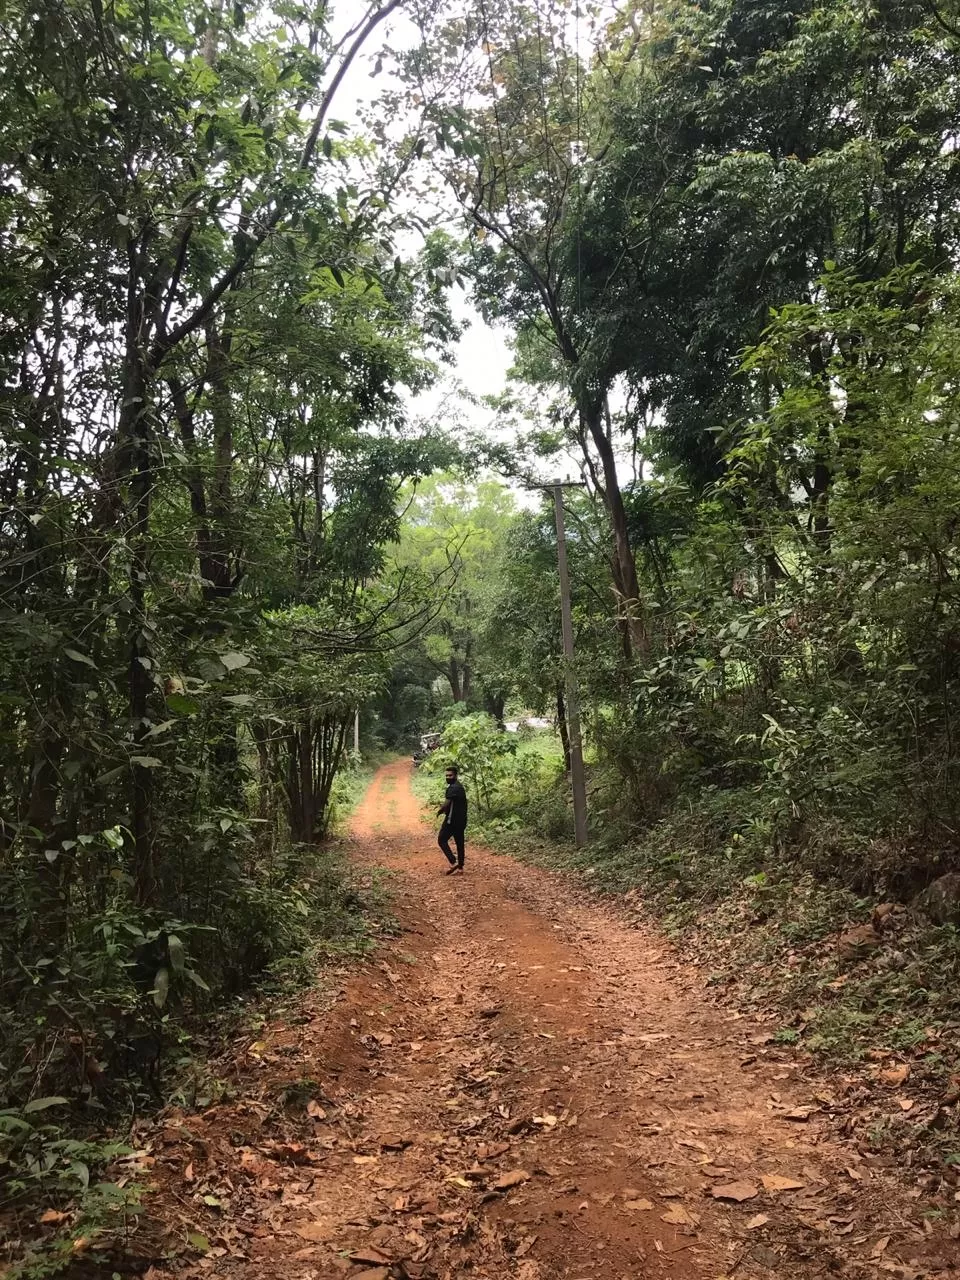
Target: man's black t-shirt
455,807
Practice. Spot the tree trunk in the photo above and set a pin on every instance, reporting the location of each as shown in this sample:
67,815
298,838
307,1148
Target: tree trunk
331,741
193,477
304,745
50,920
300,784
493,704
623,561
562,727
134,433
221,488
466,672
265,772
453,675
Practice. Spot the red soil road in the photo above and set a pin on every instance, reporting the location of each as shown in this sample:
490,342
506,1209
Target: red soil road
518,1033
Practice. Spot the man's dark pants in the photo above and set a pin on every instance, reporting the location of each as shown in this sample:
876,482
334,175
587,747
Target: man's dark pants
443,840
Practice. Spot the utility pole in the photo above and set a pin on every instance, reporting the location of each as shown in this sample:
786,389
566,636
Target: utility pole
577,777
356,732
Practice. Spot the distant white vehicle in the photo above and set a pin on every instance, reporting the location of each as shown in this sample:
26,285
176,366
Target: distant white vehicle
428,742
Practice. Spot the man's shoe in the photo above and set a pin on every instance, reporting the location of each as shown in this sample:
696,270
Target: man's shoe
454,870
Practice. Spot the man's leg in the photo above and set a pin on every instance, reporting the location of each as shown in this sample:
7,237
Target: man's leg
443,840
458,841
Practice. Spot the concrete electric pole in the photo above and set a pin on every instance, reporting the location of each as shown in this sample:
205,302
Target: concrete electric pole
577,776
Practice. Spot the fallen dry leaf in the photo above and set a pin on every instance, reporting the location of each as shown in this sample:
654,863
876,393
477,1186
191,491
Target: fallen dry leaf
776,1182
295,1152
639,1205
395,1143
315,1232
738,1191
524,1247
51,1216
315,1110
760,1220
906,1104
692,1142
880,1247
515,1178
800,1114
894,1077
678,1216
370,1255
372,1273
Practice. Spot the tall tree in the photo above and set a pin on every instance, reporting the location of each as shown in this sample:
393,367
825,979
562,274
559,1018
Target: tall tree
519,125
454,534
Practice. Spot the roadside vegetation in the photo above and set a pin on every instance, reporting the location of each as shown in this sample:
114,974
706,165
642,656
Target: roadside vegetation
207,336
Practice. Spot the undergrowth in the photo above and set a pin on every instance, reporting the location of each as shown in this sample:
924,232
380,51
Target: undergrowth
130,1014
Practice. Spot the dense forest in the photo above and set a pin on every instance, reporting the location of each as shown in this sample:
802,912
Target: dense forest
722,239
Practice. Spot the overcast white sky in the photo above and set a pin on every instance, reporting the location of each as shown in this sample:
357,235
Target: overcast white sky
483,356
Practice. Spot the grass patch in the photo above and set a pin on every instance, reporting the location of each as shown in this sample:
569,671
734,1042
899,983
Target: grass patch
307,909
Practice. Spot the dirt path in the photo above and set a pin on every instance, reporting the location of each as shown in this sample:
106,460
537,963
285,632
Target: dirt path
522,1086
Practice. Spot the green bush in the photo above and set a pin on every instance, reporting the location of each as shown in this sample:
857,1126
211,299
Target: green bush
483,753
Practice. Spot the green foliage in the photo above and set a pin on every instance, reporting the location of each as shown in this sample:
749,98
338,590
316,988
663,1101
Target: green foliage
516,780
44,1166
207,342
480,750
452,538
783,352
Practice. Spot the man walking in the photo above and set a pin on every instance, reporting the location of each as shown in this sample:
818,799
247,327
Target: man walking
454,810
